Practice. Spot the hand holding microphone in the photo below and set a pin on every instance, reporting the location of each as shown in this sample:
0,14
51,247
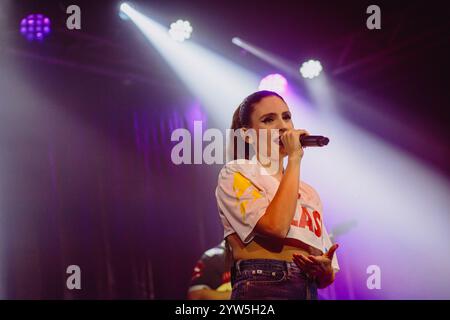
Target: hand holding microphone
290,141
294,140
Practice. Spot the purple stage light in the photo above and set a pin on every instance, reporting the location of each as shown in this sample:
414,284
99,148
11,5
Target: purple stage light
274,82
35,27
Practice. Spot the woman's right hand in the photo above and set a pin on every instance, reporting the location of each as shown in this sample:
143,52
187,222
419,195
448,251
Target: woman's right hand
291,142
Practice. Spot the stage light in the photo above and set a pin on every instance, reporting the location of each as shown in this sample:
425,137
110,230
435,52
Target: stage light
273,82
311,69
237,41
124,6
217,83
122,10
35,27
180,30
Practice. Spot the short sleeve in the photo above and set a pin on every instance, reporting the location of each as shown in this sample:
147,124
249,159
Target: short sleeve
241,202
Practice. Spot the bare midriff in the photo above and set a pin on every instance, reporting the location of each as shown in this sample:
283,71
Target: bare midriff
265,248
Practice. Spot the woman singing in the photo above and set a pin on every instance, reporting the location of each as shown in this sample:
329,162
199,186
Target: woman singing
273,221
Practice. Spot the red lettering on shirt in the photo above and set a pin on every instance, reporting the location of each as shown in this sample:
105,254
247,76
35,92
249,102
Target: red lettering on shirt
314,224
306,220
318,229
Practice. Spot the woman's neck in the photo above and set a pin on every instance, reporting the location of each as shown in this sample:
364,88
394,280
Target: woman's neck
268,162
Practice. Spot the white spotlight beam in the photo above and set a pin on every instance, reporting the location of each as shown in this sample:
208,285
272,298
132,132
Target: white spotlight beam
220,84
400,204
275,60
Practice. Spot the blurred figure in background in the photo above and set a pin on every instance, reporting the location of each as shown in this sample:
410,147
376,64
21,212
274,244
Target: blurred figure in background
211,276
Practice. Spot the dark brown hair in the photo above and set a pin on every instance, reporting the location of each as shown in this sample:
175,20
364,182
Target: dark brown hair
242,118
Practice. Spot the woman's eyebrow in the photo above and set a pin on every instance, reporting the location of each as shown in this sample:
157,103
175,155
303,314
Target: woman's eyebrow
268,114
274,114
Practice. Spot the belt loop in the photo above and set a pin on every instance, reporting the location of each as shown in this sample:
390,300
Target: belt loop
238,267
287,265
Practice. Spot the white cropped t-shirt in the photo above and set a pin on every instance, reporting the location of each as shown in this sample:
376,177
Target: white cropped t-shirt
243,194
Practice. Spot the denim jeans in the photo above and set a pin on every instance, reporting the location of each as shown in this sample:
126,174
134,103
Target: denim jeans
260,279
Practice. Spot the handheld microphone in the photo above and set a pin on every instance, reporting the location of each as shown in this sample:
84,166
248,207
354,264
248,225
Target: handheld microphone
313,141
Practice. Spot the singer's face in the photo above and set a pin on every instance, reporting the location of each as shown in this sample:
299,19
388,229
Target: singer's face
271,113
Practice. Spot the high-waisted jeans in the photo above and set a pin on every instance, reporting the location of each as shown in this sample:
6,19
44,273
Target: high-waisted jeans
270,279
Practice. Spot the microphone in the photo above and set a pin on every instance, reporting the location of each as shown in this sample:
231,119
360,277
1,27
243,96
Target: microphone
313,141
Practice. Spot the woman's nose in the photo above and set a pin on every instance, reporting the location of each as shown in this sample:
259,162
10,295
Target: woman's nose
282,131
282,125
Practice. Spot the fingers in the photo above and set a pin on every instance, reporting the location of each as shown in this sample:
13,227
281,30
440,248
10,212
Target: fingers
320,263
290,139
331,251
302,131
303,261
299,133
294,132
298,262
306,264
314,260
306,260
301,264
